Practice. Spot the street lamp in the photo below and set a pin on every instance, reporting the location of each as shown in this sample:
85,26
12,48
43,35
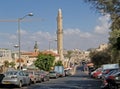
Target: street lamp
19,37
50,43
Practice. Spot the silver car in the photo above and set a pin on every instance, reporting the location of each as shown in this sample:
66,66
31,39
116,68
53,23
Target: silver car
53,74
16,77
34,76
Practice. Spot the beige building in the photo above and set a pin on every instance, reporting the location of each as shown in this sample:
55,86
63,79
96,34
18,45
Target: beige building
28,58
102,47
5,54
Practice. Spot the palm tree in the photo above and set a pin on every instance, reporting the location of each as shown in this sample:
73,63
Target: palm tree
6,65
68,55
12,64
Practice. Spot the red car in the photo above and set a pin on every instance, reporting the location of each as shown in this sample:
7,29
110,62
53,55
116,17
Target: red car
97,73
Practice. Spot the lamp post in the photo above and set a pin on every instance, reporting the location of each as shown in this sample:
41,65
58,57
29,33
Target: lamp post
19,38
50,43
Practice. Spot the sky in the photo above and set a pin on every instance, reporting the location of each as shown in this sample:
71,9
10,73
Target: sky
83,27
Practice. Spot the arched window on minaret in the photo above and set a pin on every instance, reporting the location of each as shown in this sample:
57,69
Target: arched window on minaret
36,49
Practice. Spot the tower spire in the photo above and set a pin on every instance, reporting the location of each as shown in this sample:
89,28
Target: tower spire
36,49
60,34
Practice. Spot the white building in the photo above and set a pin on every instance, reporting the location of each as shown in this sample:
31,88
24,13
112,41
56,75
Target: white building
102,47
5,54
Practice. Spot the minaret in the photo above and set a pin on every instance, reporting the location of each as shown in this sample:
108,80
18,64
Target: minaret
60,34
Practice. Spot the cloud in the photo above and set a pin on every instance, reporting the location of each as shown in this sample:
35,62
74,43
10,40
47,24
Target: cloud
13,37
77,32
72,38
103,24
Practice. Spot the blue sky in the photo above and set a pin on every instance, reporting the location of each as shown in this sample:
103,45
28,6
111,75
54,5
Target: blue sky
83,28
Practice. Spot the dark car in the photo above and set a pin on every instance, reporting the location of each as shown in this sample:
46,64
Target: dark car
1,77
113,80
67,72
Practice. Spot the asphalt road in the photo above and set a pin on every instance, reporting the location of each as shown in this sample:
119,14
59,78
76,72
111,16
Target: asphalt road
80,80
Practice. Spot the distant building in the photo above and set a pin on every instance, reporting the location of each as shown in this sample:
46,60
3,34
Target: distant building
5,54
102,47
28,58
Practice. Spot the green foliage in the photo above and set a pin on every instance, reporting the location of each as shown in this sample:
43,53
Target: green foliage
58,63
44,61
12,64
100,58
118,43
111,7
6,63
68,55
113,39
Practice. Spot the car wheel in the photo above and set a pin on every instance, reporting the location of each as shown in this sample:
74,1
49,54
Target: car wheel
34,81
44,80
29,83
20,84
116,87
48,79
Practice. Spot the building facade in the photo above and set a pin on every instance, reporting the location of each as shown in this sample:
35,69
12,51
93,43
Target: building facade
5,55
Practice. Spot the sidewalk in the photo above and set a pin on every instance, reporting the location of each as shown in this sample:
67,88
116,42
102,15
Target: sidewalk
73,70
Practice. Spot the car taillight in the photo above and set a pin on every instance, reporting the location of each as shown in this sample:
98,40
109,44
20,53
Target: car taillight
111,77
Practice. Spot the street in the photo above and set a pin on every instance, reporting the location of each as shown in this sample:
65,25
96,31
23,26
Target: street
78,81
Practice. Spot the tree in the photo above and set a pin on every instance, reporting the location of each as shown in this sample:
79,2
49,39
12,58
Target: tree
111,7
100,58
44,61
58,63
114,39
12,64
68,55
6,64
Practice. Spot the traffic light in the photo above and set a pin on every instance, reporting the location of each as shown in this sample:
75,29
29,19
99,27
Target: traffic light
118,43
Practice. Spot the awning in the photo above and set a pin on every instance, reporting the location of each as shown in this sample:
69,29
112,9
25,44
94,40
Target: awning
90,64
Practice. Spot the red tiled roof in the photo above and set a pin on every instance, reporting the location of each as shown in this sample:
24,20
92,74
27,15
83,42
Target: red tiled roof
20,60
35,54
50,52
31,54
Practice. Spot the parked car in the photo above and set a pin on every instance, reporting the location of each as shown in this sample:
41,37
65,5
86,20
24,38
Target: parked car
90,69
97,72
1,77
44,75
113,80
111,72
16,77
67,72
34,76
53,74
